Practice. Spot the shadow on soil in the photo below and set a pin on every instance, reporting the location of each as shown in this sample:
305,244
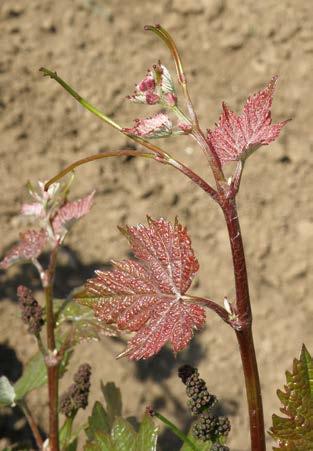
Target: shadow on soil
71,273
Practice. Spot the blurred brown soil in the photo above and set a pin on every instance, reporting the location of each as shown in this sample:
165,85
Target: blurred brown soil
231,48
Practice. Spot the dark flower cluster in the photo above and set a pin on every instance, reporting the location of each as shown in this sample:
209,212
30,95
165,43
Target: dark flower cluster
76,396
208,426
31,310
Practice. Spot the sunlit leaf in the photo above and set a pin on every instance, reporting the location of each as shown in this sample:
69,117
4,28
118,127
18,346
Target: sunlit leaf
294,432
101,442
31,244
123,435
157,87
157,126
147,436
237,136
71,212
147,296
7,392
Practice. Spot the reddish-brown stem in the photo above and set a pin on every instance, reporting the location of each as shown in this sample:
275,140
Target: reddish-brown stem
32,424
52,361
244,328
222,313
253,388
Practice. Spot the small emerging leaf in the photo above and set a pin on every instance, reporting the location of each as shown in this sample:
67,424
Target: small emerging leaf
156,88
70,212
295,431
7,392
157,126
31,244
147,296
237,136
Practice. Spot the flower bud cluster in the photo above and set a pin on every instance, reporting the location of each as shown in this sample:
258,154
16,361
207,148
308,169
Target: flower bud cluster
76,396
31,310
208,426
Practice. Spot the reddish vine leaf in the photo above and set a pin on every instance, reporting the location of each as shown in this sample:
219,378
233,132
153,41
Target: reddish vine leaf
157,126
31,244
237,136
156,88
70,212
294,431
146,296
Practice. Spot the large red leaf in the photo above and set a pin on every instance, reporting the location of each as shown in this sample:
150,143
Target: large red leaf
237,136
30,246
146,295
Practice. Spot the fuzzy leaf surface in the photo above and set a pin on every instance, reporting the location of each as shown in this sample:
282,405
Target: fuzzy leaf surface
30,246
145,296
71,212
294,432
157,126
237,136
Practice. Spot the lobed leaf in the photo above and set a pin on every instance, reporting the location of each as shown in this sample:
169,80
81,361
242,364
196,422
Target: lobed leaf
295,431
30,246
237,136
146,296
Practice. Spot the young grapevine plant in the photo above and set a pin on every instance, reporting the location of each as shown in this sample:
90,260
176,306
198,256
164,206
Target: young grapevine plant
148,296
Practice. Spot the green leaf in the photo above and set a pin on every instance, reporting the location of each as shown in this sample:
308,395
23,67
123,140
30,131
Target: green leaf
198,444
85,326
98,421
108,431
101,442
72,446
295,431
35,374
66,432
113,398
7,392
123,435
147,435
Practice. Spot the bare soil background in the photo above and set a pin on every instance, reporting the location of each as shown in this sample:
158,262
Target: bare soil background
230,48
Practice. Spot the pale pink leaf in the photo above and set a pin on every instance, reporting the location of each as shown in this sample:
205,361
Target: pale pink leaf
157,126
34,209
146,296
156,87
237,136
70,212
31,244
